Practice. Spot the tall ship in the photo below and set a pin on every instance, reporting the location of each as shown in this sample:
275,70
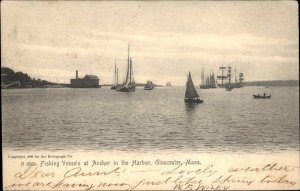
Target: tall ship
221,80
116,75
203,83
229,86
208,82
225,79
129,84
191,95
238,81
212,80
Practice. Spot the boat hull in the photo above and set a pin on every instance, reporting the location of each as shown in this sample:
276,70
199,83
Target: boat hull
148,88
193,100
261,97
126,89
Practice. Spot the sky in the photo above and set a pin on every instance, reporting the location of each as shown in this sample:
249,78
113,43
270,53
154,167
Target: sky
52,39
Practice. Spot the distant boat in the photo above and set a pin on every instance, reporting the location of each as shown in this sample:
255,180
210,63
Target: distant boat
208,82
238,82
203,84
168,84
115,85
262,96
129,84
149,85
224,80
223,77
212,80
191,95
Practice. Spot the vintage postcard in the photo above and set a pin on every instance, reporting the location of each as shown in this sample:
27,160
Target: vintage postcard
150,95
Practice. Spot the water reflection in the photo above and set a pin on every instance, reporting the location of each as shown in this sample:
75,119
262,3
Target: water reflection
190,107
190,110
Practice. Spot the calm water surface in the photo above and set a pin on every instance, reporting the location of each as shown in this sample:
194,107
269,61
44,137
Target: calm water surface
103,119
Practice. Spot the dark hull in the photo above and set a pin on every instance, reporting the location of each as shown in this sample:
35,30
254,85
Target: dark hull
113,88
125,89
237,85
261,97
148,88
193,100
221,85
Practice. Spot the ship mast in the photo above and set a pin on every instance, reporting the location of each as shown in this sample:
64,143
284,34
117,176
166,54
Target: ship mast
115,71
117,76
235,75
229,75
130,70
222,77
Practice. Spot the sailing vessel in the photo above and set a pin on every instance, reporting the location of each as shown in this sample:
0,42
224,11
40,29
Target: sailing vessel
129,84
229,87
115,85
208,82
203,84
212,80
149,85
223,77
238,82
191,95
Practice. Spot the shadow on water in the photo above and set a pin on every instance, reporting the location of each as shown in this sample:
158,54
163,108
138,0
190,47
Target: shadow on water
191,123
190,110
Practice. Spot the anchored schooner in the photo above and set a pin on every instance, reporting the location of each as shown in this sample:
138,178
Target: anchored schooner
203,84
191,95
209,81
129,84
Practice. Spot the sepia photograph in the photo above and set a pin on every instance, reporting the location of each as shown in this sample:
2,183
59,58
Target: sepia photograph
150,95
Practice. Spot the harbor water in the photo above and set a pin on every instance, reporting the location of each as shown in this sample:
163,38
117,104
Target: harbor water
147,121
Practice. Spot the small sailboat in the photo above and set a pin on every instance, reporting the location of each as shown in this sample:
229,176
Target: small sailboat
115,85
191,95
129,84
149,85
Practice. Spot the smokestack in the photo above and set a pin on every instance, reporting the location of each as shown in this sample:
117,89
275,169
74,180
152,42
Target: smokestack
76,74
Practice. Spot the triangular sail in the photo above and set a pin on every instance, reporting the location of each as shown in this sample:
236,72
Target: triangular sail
190,91
128,73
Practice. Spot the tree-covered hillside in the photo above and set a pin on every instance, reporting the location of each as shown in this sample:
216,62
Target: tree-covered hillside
12,79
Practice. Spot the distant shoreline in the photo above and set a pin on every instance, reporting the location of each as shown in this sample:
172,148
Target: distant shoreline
274,83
